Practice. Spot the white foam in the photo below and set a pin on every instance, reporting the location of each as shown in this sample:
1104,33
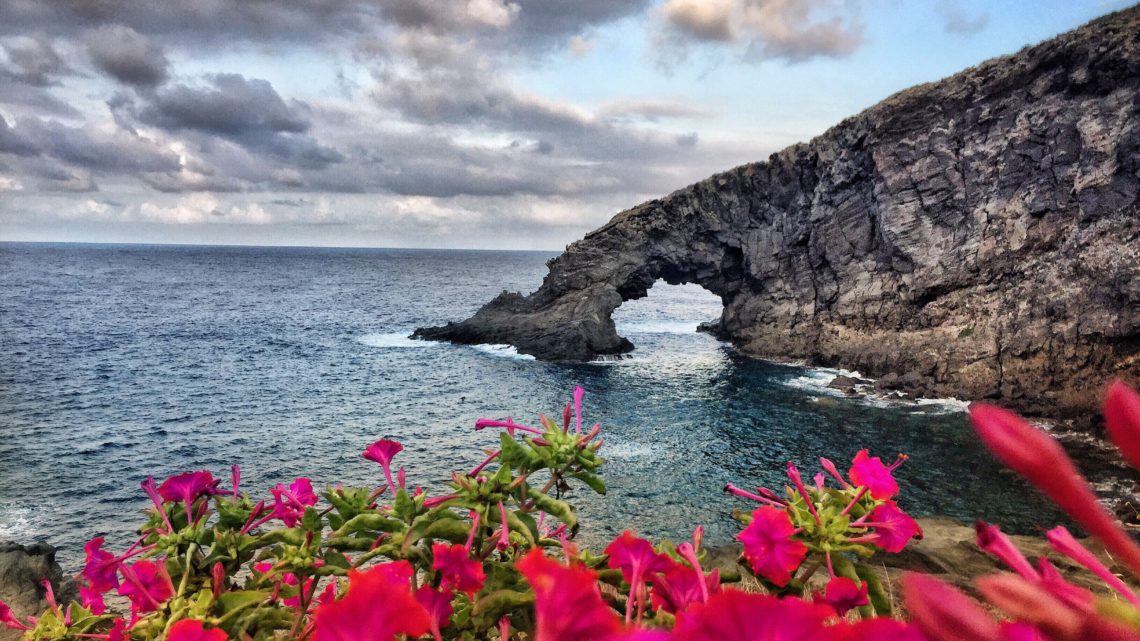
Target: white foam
16,525
394,340
815,381
626,450
505,351
658,327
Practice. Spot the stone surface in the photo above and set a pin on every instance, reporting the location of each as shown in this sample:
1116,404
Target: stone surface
979,237
22,568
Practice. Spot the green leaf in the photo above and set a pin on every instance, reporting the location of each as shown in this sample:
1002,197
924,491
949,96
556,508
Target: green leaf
370,522
230,601
289,536
311,520
518,525
502,600
404,506
879,598
516,454
453,530
594,481
554,507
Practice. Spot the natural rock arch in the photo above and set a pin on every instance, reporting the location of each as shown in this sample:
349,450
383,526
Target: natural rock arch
981,234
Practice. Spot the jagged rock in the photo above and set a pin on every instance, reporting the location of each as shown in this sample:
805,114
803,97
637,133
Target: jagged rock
982,232
847,384
22,568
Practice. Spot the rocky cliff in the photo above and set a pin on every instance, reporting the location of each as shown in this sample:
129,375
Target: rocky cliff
980,234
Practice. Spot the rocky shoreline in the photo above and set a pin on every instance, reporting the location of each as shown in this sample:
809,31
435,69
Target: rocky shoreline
975,238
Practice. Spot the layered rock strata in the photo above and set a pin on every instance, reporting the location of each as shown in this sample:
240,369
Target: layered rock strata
980,235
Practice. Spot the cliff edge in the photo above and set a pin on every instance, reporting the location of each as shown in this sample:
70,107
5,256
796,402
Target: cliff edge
981,233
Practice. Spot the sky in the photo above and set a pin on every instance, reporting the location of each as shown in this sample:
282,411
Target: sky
492,124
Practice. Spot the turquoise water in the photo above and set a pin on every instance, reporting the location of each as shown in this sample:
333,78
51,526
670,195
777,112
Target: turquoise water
121,361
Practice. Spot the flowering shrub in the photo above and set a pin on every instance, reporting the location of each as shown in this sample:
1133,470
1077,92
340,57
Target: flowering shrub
376,564
787,539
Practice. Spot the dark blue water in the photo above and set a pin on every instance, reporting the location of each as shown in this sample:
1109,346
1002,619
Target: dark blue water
121,361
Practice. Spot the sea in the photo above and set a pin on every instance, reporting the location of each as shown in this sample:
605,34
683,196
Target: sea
123,361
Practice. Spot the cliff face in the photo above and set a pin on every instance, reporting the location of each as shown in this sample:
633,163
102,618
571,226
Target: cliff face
981,233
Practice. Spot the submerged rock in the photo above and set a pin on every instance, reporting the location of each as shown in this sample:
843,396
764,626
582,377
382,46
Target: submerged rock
980,235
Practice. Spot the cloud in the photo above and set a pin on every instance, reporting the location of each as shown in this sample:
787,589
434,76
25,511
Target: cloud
580,46
201,208
955,20
126,55
32,60
650,110
228,105
789,30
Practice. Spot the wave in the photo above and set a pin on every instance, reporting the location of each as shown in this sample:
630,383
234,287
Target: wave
16,525
658,327
815,381
505,351
394,340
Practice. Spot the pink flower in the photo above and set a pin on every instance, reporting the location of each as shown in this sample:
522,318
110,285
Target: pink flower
732,615
1037,457
637,560
102,567
567,603
1062,541
193,630
769,546
289,503
945,614
187,487
1122,418
382,452
893,527
1030,603
877,629
578,394
843,594
437,604
1071,595
509,424
378,606
92,600
146,584
9,619
458,570
680,587
994,542
1018,631
869,472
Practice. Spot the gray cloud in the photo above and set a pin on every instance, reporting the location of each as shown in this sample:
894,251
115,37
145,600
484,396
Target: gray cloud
127,55
790,30
229,105
33,60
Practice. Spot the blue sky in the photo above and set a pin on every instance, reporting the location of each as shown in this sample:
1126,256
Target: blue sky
437,123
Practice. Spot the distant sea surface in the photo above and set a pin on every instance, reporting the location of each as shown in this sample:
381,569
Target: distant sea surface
119,361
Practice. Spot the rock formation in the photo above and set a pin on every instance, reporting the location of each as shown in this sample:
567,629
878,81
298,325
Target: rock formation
22,568
980,235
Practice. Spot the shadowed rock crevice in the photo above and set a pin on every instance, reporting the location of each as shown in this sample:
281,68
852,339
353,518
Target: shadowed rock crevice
980,234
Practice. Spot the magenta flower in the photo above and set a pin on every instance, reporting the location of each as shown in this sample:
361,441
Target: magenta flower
637,560
567,603
1062,541
893,527
382,452
9,619
843,594
876,629
459,571
945,614
92,599
290,502
437,604
994,542
504,529
578,394
732,615
146,584
1122,418
187,487
1037,457
1071,595
797,480
830,468
193,630
769,546
102,568
509,424
869,472
378,606
680,587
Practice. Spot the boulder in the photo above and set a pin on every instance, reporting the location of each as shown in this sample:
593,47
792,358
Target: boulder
22,569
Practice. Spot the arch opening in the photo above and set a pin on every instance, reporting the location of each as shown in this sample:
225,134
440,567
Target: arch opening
667,308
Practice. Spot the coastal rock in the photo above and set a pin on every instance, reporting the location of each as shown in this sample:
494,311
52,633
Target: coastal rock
981,232
22,569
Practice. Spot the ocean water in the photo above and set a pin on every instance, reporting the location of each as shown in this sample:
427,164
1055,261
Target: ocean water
119,361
